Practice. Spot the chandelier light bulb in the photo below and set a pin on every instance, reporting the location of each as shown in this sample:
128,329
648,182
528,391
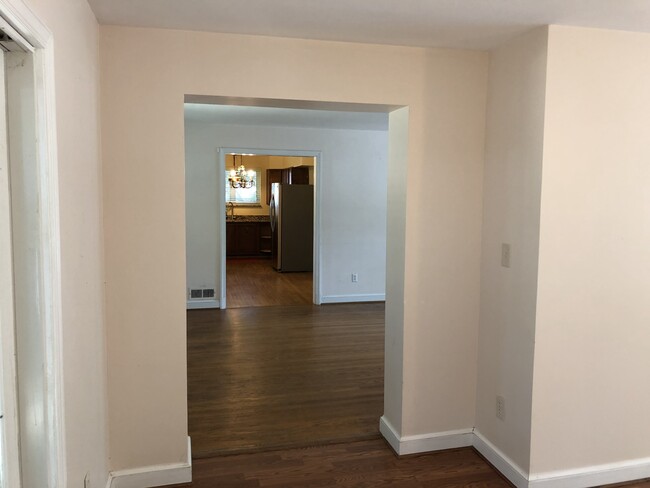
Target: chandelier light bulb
240,178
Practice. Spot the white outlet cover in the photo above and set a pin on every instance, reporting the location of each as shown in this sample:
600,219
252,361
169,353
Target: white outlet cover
501,408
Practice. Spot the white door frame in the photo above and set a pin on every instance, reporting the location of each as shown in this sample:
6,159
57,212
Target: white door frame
221,210
10,453
25,23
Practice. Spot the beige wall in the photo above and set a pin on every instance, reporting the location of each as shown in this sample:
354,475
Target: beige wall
592,368
76,64
511,199
145,75
443,239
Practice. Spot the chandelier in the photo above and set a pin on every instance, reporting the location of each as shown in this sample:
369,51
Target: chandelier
240,178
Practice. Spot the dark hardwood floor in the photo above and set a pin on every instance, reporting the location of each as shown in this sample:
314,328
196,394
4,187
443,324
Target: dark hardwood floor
265,378
368,463
252,282
362,464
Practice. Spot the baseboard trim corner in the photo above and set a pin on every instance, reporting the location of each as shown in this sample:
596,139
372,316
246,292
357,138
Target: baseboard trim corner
414,444
374,297
390,434
436,441
197,304
151,476
506,466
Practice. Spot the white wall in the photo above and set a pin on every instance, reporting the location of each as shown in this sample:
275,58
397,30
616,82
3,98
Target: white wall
592,368
435,235
511,206
353,216
76,65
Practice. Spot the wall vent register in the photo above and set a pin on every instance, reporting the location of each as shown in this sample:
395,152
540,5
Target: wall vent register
201,293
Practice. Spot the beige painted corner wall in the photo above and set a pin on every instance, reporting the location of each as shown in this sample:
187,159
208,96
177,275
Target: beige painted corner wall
511,206
145,75
592,368
443,242
76,64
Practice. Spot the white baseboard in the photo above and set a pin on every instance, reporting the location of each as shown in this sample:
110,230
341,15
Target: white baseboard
195,304
375,297
603,474
150,476
506,466
575,478
413,444
389,433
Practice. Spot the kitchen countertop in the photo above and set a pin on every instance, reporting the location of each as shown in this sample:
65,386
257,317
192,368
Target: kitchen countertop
247,218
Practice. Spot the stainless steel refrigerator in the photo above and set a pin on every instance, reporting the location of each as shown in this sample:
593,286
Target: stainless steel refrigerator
292,224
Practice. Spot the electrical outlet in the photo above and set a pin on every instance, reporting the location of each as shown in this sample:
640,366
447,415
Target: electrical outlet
355,277
87,480
505,255
501,408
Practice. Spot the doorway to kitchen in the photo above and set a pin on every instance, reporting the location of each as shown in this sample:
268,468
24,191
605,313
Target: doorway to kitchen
269,256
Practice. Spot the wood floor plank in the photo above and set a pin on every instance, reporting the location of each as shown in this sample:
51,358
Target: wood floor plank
285,376
252,282
368,463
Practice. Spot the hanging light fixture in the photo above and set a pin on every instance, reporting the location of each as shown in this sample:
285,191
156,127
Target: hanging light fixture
240,178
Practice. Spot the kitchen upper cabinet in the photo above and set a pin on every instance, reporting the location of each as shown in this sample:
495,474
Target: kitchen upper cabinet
297,175
272,176
300,175
286,176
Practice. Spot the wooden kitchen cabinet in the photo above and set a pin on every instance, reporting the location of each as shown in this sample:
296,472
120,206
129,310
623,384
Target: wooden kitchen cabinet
272,176
248,239
296,175
299,175
230,239
286,176
265,238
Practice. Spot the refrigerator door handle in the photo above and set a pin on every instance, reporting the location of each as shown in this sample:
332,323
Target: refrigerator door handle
272,213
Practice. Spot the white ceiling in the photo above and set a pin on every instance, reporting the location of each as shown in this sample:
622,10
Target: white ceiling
475,24
284,117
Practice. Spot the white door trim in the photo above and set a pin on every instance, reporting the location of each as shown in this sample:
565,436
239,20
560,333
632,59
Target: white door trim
29,26
221,209
10,441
